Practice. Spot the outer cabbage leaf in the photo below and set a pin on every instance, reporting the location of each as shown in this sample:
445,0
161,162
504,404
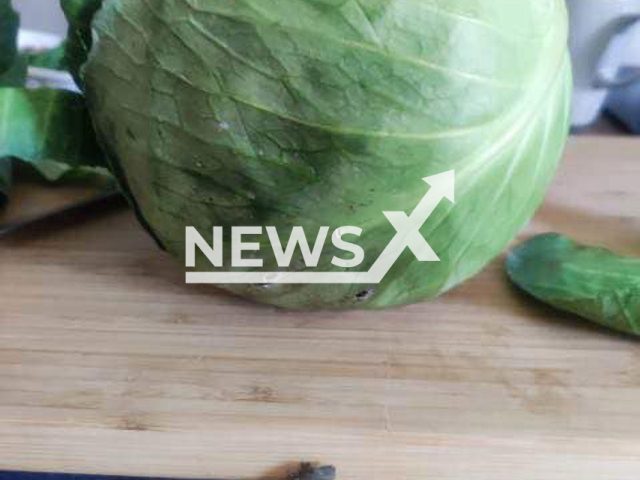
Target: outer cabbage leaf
52,59
5,180
49,129
12,73
79,14
322,113
593,282
9,24
16,75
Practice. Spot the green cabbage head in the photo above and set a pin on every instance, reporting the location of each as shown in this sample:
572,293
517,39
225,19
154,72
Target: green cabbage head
320,113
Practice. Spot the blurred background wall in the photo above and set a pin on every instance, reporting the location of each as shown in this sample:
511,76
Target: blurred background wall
605,36
42,15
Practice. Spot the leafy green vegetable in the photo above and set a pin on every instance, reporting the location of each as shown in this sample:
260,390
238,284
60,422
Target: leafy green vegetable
324,113
5,180
52,59
12,73
50,129
592,282
9,24
16,75
79,14
13,68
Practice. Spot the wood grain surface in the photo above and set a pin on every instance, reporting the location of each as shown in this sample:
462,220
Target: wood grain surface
109,363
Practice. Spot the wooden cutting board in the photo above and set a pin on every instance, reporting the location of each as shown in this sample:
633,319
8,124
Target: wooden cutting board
109,363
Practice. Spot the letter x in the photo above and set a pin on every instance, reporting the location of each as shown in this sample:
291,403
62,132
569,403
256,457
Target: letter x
409,234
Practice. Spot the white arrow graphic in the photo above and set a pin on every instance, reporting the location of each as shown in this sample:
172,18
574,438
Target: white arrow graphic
408,228
407,236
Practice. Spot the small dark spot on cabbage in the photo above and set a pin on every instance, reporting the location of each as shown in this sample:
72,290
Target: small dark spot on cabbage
366,294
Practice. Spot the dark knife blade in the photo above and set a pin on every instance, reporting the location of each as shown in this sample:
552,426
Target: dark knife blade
307,472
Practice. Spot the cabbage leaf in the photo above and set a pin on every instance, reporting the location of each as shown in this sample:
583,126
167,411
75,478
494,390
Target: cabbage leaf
5,180
49,129
9,24
79,14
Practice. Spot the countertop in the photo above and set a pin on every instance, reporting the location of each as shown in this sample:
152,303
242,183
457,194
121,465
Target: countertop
109,363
